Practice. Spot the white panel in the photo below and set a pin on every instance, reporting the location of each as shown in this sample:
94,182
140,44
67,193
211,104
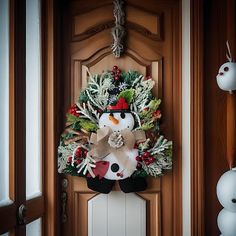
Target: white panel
135,215
4,102
117,214
186,167
33,99
98,215
34,228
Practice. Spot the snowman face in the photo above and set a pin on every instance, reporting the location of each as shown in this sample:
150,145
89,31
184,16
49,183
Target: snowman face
117,121
226,78
226,190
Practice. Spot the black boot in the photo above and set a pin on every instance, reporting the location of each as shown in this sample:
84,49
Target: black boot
130,184
100,185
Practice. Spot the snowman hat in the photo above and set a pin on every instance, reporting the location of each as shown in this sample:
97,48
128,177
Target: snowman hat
121,106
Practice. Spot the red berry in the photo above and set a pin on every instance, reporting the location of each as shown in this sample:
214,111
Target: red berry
69,160
116,77
151,159
78,152
118,71
118,174
138,158
78,161
146,154
139,166
115,67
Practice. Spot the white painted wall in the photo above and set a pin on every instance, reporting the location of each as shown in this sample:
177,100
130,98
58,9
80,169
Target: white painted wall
186,175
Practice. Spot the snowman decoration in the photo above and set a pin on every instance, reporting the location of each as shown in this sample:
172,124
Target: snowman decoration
226,77
114,152
226,193
226,186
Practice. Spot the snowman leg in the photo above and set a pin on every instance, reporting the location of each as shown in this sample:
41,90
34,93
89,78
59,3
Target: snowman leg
130,184
100,185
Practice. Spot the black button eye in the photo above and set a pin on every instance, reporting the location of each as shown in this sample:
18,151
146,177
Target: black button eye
233,200
226,68
122,115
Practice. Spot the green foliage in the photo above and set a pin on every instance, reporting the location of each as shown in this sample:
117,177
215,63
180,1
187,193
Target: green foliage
83,97
139,173
147,126
154,104
130,76
128,94
77,123
71,170
88,125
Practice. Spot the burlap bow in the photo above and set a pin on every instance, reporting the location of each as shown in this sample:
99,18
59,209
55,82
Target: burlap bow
100,147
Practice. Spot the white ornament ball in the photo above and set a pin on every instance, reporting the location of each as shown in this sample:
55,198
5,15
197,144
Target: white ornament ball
226,78
227,222
226,190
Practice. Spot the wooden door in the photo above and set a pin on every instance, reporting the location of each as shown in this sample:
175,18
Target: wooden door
152,48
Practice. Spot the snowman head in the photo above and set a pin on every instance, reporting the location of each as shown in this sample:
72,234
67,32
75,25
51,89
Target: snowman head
226,78
226,190
117,117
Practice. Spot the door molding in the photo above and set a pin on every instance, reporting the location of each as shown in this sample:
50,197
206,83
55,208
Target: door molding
197,125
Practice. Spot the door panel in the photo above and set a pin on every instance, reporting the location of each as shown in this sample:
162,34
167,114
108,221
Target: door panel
152,49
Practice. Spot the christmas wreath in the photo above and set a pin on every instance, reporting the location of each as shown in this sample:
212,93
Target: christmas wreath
113,133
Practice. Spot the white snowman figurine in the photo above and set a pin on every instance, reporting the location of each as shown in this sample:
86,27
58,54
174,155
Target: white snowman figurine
118,118
226,77
226,193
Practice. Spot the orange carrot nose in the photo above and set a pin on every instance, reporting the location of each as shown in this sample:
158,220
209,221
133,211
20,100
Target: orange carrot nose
113,120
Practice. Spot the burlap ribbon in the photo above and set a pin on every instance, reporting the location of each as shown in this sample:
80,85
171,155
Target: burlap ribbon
100,147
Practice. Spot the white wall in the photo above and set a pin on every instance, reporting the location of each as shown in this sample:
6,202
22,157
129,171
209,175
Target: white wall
186,175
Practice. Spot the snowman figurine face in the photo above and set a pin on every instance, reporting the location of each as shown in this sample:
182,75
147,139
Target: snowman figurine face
226,78
117,121
226,190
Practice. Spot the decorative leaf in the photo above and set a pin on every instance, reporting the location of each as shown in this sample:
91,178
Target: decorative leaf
128,94
88,125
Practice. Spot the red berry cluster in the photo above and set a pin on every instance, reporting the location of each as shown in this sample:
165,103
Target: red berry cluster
146,158
157,114
120,175
80,154
116,72
74,110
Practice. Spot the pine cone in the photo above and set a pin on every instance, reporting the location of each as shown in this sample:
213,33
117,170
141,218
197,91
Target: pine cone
116,140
